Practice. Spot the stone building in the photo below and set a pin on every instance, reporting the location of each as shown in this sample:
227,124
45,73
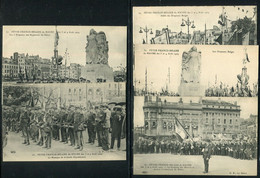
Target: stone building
22,64
80,94
202,119
9,68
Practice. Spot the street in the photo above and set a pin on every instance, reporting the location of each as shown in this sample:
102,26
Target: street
168,164
16,151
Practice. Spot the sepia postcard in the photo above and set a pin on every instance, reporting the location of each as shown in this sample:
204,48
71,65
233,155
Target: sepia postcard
205,25
64,93
195,110
196,70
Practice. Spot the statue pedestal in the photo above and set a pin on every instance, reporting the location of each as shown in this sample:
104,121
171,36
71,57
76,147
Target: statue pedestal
92,72
191,89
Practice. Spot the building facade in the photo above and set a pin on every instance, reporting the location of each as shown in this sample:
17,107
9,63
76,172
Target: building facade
203,119
80,94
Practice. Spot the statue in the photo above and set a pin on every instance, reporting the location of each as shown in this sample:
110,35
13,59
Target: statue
191,62
97,48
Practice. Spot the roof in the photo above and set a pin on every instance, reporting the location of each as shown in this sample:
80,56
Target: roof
217,102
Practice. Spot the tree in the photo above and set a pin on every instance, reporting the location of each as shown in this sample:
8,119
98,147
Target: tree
246,24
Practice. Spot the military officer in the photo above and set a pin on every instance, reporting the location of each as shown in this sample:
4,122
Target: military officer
206,157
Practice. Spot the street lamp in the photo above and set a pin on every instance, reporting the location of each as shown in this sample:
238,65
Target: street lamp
188,23
146,30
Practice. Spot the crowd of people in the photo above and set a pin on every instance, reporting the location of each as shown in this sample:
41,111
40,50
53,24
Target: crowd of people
223,90
235,149
67,125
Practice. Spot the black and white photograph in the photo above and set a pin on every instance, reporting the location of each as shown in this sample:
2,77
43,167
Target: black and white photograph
196,70
204,25
64,93
195,136
195,110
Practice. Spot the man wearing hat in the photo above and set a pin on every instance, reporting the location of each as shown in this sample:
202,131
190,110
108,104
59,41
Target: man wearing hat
70,121
116,125
100,119
91,126
25,123
206,156
79,127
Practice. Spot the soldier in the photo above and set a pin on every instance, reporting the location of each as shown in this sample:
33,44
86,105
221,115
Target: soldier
79,127
91,126
25,123
116,126
206,156
40,125
70,121
63,126
99,120
47,127
55,120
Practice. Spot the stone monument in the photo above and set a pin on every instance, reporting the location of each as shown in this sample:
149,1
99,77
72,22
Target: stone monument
190,75
97,67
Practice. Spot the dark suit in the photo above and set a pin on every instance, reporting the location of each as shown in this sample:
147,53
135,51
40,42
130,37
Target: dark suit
206,157
116,126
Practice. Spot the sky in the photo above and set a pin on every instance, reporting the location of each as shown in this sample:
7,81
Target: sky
247,105
225,62
15,39
156,18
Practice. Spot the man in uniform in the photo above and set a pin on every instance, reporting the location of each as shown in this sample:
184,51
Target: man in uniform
206,157
47,127
25,123
63,126
79,127
70,121
100,118
91,126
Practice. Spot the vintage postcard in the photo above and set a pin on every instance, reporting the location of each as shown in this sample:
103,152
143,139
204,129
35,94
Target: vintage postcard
196,70
206,25
195,110
64,93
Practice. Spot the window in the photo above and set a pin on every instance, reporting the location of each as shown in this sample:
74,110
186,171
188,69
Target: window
206,114
207,120
224,121
69,91
224,129
154,124
219,121
230,122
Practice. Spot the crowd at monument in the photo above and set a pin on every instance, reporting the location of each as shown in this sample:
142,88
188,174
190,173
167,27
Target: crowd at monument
235,149
42,127
227,91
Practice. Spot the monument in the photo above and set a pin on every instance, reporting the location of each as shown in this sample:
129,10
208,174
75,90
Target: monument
242,83
190,75
97,68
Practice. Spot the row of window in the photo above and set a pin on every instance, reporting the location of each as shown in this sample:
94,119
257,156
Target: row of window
12,67
225,107
11,71
225,121
222,114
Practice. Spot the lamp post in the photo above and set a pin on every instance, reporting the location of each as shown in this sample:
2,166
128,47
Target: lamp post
188,23
146,30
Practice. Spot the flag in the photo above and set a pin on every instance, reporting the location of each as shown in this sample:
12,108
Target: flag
56,39
247,57
180,130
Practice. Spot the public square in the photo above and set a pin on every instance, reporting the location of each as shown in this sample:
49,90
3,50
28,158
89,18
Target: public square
169,164
16,151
